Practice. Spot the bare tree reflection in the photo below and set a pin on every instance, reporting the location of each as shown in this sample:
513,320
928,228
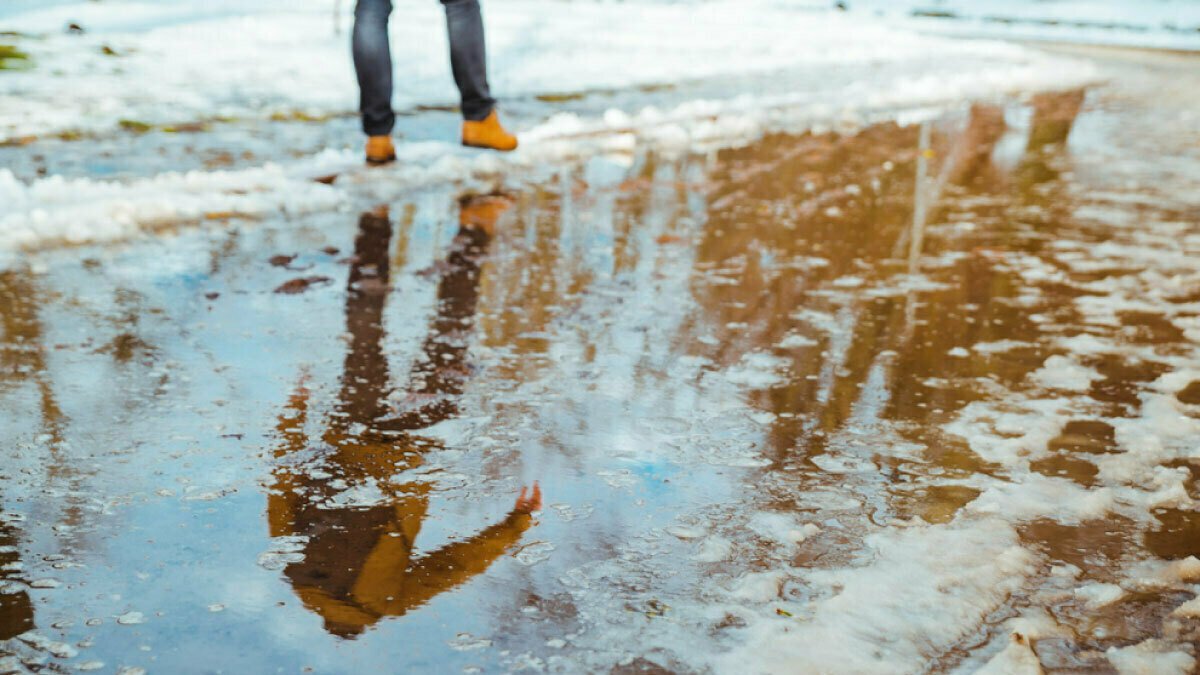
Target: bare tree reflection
358,562
1054,116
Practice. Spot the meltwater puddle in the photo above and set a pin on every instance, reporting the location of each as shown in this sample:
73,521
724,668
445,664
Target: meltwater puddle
900,400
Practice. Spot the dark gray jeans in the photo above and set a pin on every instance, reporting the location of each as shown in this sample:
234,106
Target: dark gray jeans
373,61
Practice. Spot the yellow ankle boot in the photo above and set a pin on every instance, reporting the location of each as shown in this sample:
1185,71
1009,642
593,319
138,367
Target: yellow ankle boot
380,150
487,133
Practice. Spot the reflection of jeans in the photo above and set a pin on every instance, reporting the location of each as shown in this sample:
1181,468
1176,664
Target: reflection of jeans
373,61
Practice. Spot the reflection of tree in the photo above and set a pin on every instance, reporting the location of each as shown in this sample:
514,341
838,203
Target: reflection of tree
850,200
358,560
826,196
22,357
1053,118
529,293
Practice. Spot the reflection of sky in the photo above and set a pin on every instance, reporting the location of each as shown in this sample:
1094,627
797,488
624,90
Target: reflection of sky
165,420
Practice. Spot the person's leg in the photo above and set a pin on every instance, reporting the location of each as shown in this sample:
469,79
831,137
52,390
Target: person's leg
468,58
373,64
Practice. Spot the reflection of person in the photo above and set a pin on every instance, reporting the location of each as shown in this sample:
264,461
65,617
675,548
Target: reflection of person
373,63
16,608
358,561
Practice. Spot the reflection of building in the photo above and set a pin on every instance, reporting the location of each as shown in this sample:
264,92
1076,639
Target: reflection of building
358,565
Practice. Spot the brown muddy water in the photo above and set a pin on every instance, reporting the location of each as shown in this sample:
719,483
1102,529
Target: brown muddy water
872,401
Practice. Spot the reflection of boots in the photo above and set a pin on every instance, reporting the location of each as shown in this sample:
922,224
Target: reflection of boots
487,133
380,150
482,212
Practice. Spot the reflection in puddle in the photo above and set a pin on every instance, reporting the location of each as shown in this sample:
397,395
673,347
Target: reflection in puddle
805,405
16,608
359,528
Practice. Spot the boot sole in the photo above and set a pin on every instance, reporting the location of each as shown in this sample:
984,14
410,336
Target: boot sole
480,146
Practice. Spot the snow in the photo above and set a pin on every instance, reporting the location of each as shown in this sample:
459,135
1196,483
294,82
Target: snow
1096,596
279,58
1061,372
1164,24
1018,658
75,211
914,591
1152,657
283,58
924,590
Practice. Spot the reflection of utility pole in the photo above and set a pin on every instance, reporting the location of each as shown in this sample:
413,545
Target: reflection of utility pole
360,562
920,198
964,160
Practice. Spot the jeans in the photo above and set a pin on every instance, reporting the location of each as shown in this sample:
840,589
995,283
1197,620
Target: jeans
373,62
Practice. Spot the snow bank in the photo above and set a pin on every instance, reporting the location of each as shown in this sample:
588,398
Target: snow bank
185,61
77,211
189,60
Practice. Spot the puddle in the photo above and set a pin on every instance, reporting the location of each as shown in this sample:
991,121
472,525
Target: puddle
776,396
